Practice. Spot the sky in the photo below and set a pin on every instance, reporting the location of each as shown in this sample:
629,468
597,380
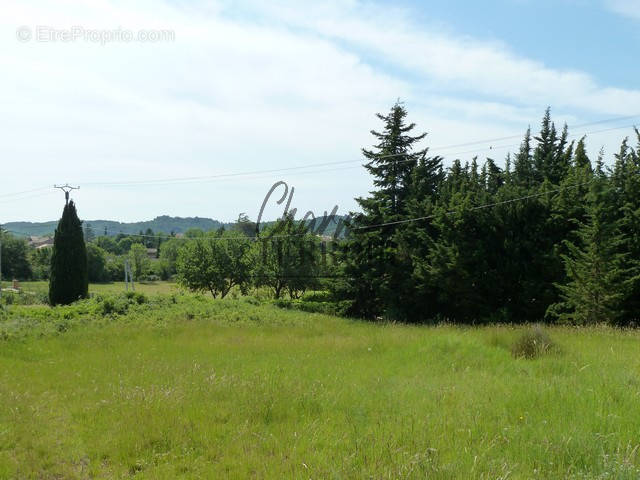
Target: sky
194,108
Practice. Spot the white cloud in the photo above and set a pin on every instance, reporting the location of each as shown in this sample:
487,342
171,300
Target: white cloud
628,8
270,86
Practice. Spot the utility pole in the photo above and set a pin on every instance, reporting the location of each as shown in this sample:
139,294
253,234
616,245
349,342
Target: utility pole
66,188
128,276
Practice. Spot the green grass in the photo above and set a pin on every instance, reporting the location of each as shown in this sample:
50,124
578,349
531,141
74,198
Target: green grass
149,288
185,387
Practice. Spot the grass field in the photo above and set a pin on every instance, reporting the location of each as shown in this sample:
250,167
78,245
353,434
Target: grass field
192,388
149,288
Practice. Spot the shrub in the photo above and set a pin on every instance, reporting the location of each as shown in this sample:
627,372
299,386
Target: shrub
533,343
328,308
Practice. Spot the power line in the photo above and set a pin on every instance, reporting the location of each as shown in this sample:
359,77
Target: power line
511,137
378,225
23,192
177,180
254,174
478,207
27,197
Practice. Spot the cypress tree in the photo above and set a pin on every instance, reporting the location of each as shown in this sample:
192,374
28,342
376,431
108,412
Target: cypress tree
69,274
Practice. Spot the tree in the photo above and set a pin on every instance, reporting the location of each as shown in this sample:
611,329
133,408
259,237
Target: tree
96,263
168,257
626,184
214,264
376,266
194,233
108,244
139,259
15,257
245,225
41,262
285,258
597,269
69,275
125,243
523,170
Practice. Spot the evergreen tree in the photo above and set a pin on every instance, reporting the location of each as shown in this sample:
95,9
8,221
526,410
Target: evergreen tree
626,183
597,269
523,172
377,261
69,275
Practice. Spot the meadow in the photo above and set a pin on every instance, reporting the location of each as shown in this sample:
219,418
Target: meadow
181,386
149,288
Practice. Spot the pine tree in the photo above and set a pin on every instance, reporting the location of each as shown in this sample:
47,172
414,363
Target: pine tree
523,172
392,164
69,274
377,262
626,184
597,268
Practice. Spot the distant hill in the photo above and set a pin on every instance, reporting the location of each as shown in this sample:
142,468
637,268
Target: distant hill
163,223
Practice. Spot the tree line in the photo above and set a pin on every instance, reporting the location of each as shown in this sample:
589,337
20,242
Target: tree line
559,238
551,235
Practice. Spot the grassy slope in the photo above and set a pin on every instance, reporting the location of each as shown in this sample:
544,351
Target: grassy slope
236,390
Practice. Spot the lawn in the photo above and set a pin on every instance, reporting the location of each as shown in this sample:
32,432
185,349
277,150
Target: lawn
194,388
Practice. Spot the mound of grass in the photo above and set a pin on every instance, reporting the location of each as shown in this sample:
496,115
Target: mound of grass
533,343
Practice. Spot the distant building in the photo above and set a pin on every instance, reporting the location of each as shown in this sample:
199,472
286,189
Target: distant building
41,242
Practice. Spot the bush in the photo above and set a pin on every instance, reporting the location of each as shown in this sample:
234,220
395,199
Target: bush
533,343
339,309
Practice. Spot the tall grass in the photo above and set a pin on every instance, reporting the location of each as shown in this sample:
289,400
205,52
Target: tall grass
185,387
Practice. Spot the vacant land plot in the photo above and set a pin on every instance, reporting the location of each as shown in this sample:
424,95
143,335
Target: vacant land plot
194,388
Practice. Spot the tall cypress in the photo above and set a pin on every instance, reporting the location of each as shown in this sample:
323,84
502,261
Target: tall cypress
69,274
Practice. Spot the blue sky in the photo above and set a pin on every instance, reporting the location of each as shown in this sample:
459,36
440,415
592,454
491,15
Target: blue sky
597,37
250,86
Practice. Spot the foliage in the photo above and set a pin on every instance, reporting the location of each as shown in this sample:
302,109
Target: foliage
168,257
15,258
598,273
214,264
69,276
97,264
375,262
139,261
478,244
40,260
286,258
